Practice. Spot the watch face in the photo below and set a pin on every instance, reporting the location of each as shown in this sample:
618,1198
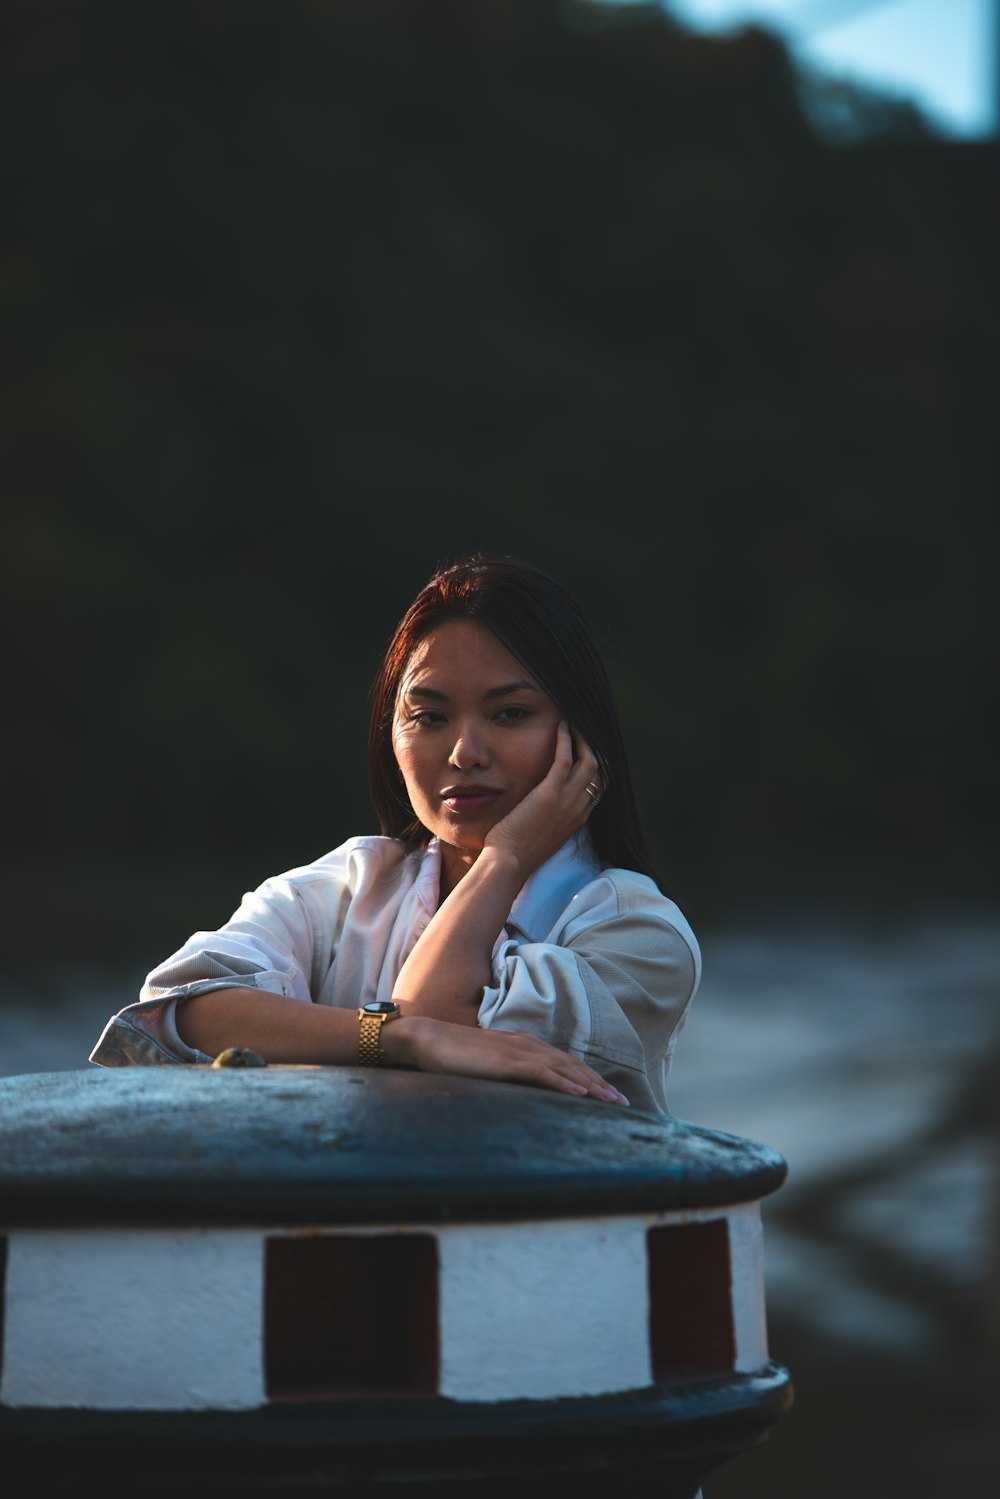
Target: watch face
380,1007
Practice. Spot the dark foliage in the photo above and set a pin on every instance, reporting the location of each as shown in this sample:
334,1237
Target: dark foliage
301,299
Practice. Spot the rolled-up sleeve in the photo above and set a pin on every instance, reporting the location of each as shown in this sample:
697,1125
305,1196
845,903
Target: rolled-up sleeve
611,984
267,944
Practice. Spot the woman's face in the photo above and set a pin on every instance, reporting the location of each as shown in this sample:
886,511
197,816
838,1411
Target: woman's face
472,733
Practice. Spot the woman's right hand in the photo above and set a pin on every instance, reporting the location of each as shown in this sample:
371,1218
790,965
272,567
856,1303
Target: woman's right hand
506,1056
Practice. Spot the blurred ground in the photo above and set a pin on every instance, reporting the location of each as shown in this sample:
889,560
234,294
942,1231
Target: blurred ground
868,1053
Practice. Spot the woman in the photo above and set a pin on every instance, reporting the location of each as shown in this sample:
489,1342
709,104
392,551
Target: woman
506,923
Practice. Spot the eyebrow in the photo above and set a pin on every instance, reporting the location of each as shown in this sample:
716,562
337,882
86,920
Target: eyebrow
432,695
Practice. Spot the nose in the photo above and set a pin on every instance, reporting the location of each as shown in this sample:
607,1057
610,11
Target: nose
470,749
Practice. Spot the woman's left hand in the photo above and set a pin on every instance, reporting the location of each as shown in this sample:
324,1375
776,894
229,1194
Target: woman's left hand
554,809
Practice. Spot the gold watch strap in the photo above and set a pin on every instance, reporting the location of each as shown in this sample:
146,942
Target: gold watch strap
369,1049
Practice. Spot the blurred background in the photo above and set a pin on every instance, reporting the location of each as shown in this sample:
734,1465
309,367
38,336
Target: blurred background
679,303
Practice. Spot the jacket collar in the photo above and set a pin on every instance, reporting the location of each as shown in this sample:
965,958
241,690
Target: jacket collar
546,893
543,896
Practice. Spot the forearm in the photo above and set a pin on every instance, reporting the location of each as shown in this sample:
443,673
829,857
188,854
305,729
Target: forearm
283,1030
278,1028
450,963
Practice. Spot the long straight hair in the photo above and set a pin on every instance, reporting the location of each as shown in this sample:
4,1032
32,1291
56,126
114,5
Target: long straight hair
545,629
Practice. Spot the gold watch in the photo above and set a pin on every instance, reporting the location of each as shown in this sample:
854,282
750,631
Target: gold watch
372,1017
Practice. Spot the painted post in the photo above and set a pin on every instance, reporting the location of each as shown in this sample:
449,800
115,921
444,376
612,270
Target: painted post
366,1280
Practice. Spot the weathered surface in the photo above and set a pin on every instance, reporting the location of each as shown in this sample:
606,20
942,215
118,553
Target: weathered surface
335,1144
657,1443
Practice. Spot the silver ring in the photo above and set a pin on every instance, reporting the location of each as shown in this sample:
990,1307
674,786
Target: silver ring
593,790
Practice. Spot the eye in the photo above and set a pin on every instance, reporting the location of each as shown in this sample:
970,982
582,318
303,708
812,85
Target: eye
425,717
512,714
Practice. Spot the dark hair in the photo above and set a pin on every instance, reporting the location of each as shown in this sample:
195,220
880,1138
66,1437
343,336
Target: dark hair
543,626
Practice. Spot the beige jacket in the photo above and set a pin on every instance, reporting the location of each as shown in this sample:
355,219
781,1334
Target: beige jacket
595,961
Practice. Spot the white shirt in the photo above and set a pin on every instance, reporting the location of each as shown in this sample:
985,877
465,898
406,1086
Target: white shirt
598,962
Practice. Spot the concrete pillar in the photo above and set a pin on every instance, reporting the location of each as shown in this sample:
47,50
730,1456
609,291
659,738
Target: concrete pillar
364,1279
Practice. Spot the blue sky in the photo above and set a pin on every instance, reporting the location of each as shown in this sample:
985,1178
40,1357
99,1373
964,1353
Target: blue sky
941,54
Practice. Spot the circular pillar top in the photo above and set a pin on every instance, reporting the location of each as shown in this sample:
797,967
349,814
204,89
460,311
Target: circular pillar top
329,1145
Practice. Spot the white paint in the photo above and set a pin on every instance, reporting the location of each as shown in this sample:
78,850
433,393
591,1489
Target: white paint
746,1259
134,1319
159,1319
537,1311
